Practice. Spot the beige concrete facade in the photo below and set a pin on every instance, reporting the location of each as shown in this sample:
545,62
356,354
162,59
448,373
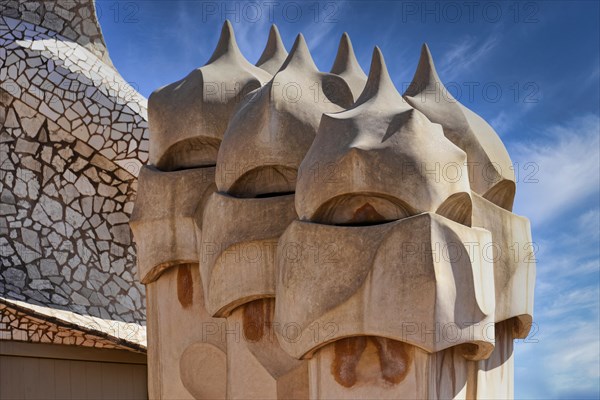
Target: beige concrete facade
301,248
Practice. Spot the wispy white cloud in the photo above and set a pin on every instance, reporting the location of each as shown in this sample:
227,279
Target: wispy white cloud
589,222
506,120
577,350
252,36
558,269
465,53
502,122
593,74
564,304
186,33
564,345
565,354
566,348
322,43
559,170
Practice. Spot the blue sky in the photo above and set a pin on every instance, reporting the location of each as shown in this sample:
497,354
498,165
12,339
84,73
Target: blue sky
531,69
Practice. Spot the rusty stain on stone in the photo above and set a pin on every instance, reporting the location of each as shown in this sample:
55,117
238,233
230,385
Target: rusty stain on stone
366,213
257,319
347,355
185,285
395,358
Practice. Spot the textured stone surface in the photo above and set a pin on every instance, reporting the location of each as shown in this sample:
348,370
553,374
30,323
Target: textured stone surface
365,273
276,124
491,175
237,257
274,53
345,249
165,212
71,131
36,324
383,147
189,117
184,340
74,19
346,65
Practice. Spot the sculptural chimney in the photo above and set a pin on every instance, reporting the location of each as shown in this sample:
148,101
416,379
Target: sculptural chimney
305,234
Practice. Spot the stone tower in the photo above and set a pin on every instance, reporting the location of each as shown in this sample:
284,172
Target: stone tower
73,136
304,234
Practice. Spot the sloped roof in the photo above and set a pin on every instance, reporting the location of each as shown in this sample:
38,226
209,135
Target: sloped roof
38,324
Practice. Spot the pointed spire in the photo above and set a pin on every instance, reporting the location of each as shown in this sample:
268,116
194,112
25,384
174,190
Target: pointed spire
379,82
274,53
299,55
227,44
345,60
426,77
